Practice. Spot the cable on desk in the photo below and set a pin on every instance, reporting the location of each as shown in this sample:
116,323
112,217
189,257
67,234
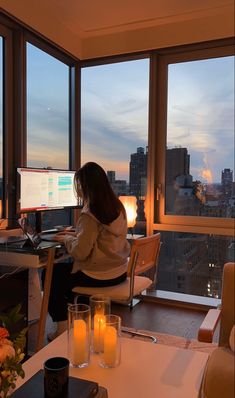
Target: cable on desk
136,333
11,273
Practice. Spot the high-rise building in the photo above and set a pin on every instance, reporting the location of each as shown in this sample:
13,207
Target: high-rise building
119,186
111,176
138,178
177,163
138,172
227,183
177,168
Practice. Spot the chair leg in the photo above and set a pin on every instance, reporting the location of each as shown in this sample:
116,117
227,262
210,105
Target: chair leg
134,302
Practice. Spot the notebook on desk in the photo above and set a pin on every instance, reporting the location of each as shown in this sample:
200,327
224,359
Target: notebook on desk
33,238
77,387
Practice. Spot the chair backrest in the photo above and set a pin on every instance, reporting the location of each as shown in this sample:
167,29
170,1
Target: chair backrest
144,254
227,304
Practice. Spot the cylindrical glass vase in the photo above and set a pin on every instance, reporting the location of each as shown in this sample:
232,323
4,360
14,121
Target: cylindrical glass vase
79,331
100,306
110,357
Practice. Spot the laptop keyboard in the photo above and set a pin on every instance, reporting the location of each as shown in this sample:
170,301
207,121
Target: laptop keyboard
48,237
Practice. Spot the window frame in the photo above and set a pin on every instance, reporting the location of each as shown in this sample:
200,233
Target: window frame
161,221
74,96
7,123
16,35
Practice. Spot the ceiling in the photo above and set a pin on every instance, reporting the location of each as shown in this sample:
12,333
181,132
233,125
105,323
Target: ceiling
80,25
91,17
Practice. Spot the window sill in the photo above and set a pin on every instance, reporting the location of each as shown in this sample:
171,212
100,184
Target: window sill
180,299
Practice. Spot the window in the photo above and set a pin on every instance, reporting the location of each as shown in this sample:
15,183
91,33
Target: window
200,134
192,263
48,119
1,130
114,126
47,110
194,170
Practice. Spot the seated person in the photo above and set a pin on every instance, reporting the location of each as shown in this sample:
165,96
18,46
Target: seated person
98,246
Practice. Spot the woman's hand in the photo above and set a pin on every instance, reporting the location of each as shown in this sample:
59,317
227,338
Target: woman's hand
59,237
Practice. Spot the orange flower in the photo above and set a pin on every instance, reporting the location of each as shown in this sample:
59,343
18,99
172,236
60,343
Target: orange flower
3,333
6,341
6,350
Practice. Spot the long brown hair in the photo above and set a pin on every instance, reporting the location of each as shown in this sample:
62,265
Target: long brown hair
102,201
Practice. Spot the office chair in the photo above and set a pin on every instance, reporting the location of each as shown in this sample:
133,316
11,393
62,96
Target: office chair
143,257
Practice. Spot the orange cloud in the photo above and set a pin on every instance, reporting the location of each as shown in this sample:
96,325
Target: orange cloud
207,175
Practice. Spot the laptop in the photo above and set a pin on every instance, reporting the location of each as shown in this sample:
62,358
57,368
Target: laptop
50,234
33,238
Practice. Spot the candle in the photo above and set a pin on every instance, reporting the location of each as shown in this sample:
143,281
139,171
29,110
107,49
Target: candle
110,345
99,328
79,341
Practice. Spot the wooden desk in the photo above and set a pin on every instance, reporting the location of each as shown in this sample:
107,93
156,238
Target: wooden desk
131,237
146,371
29,258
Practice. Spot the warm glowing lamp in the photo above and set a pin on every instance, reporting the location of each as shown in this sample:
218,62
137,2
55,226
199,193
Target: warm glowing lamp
129,202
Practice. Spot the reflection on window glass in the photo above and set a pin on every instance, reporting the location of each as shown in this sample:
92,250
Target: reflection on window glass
114,126
47,118
1,146
200,139
193,263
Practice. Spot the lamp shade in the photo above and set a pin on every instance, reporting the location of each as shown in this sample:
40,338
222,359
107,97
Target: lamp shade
129,202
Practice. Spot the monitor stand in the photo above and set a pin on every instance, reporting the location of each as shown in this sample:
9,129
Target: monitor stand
38,221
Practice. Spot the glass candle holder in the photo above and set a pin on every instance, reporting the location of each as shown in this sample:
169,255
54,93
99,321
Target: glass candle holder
79,331
100,306
110,357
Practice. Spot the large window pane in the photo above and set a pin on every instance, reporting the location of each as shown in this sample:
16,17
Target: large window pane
193,263
114,127
200,138
47,117
47,110
1,143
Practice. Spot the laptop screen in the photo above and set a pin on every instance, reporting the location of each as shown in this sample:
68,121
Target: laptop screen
29,231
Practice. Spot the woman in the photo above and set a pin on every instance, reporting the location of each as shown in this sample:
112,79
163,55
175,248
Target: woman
98,246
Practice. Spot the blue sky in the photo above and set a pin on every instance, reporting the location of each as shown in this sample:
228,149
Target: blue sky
115,113
201,113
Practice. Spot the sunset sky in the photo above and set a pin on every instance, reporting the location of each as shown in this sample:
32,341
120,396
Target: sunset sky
115,113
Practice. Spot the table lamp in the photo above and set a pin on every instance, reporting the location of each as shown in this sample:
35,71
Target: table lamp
129,202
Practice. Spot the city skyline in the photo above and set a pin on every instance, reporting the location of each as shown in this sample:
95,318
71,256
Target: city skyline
194,180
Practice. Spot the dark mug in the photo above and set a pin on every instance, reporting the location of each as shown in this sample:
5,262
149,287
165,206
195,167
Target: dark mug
56,377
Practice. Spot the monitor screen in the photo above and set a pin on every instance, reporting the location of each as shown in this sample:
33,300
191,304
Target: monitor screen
44,189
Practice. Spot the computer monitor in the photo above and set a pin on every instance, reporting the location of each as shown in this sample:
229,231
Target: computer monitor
45,189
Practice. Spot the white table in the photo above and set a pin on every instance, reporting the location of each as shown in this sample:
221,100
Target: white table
147,370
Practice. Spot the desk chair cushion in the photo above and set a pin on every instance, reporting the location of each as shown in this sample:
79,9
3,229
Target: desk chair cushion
218,381
119,292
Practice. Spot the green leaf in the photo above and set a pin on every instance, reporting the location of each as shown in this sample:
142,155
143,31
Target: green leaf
10,320
20,340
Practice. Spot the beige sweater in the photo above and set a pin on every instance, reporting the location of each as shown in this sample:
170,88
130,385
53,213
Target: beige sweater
100,251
